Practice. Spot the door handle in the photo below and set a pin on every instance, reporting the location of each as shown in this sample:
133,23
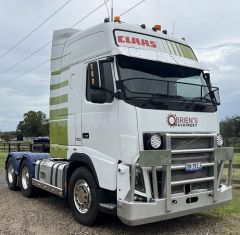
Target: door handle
85,135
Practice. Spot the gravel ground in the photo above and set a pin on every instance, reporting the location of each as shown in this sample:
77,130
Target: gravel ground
48,214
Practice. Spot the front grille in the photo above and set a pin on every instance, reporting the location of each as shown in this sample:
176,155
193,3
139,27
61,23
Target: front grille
190,157
188,148
191,143
179,175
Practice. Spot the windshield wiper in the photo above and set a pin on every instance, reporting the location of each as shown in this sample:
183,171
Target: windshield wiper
202,99
177,97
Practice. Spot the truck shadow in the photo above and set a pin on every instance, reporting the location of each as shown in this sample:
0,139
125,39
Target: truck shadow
111,224
196,222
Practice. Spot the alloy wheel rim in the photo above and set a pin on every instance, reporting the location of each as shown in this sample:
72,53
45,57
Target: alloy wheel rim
10,172
25,177
82,196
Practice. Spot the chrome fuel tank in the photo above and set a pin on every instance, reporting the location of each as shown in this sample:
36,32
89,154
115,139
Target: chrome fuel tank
51,172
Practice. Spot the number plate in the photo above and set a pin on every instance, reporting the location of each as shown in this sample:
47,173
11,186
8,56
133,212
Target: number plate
192,167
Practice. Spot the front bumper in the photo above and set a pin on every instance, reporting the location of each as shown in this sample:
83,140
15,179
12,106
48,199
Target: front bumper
166,204
136,213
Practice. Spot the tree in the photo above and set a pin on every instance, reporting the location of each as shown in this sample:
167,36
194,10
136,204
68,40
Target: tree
230,127
8,136
33,124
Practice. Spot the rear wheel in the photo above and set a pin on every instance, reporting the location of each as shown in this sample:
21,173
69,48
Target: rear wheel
11,177
83,196
26,180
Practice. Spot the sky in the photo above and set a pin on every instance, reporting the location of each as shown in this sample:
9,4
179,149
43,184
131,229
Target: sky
210,27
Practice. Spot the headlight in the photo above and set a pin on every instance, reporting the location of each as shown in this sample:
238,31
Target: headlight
152,141
155,141
219,140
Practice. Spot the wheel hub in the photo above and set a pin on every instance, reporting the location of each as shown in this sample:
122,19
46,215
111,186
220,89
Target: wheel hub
25,177
82,196
10,172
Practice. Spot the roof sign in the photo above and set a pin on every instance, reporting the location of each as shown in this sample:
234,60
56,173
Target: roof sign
142,41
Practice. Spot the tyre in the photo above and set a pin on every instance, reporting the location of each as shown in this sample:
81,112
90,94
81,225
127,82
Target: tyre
83,196
11,177
25,180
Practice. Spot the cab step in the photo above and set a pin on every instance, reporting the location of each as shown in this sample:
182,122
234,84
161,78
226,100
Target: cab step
108,208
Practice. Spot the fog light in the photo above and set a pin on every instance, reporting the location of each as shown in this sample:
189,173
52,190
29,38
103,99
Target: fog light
155,141
219,140
139,182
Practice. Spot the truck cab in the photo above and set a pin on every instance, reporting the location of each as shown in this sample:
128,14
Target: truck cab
133,117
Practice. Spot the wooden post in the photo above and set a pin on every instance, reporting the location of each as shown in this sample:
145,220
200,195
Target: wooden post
9,147
18,147
30,147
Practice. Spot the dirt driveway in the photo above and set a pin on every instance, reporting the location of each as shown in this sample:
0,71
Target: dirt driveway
48,214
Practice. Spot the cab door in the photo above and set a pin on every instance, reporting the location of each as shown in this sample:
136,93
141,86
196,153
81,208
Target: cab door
100,113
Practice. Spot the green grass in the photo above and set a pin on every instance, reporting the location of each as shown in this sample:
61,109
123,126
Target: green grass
236,158
3,156
232,209
235,172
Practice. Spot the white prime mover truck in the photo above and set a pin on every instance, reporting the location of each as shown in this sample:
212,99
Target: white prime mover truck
133,128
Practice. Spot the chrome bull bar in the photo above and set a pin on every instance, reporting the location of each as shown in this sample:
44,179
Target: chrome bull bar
162,159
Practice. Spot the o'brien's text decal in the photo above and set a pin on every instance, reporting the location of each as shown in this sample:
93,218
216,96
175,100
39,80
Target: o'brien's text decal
181,121
136,41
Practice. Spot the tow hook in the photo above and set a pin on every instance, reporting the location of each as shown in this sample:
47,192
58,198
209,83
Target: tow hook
174,201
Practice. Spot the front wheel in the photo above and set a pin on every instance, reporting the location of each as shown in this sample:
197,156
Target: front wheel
11,177
26,180
83,196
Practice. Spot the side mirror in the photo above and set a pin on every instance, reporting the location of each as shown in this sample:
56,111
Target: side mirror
94,76
98,97
207,77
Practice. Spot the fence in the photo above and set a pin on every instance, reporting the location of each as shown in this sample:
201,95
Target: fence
234,167
236,150
24,147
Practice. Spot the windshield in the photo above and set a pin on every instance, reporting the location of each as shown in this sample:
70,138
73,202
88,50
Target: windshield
155,81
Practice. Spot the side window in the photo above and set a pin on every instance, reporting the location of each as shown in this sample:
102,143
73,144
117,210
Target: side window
103,70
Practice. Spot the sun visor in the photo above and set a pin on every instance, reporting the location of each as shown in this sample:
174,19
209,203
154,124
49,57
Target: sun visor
159,56
189,63
145,54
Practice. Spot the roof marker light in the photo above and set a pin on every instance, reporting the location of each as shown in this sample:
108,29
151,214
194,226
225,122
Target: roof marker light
106,20
117,19
157,27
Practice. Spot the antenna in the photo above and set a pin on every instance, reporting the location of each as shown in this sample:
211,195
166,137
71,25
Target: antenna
111,10
107,8
173,27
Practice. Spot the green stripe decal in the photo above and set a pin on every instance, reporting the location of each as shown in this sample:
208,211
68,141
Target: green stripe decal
187,52
169,50
179,49
59,85
191,54
164,45
56,72
173,48
56,113
183,51
59,99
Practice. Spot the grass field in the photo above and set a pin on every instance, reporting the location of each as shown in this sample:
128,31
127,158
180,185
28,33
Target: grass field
235,172
237,158
231,211
230,214
3,156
